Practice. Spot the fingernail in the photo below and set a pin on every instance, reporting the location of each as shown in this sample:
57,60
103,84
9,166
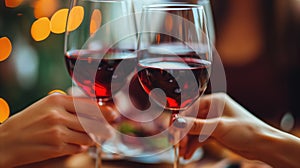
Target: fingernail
180,122
84,148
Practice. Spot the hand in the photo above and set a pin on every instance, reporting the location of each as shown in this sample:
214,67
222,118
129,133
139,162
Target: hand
48,128
236,129
106,114
240,131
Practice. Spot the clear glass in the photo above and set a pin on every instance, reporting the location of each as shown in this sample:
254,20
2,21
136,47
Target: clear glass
100,35
138,4
174,58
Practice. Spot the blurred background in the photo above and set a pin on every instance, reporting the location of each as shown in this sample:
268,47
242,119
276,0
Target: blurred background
35,65
258,41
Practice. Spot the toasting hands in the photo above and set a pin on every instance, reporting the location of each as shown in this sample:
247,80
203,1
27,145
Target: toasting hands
47,129
238,130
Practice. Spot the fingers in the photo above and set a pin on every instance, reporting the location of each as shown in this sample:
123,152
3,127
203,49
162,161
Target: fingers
208,106
97,128
183,146
73,122
61,140
188,146
86,107
93,125
109,112
79,138
83,107
202,126
68,149
199,132
83,115
192,145
205,102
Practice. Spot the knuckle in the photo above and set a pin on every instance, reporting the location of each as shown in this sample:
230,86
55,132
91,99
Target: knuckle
56,134
221,96
56,98
55,117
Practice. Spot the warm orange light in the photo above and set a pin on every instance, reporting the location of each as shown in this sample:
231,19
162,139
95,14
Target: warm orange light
96,20
75,18
45,8
59,20
169,23
13,3
40,29
5,48
57,91
4,110
158,38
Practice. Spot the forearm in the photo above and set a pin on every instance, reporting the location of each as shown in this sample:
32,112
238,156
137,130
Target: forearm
279,149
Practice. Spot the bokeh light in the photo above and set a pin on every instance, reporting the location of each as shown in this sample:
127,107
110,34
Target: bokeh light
13,3
40,29
4,110
169,23
75,18
57,91
45,8
5,48
95,21
58,21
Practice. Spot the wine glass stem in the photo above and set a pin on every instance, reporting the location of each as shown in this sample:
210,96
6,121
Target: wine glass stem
99,141
176,163
176,135
98,158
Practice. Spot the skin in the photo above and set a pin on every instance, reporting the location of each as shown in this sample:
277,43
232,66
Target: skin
47,129
240,131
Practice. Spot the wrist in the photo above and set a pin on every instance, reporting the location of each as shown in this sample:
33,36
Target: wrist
278,149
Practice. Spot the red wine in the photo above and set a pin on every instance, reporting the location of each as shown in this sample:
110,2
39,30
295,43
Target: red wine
182,79
97,77
137,95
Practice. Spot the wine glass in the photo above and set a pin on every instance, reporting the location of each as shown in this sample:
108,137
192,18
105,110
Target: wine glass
138,5
174,57
100,35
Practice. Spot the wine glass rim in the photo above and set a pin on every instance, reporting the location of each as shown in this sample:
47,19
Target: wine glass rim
172,6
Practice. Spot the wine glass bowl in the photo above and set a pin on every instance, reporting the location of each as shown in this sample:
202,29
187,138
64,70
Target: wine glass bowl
183,76
94,50
95,46
174,57
174,53
96,81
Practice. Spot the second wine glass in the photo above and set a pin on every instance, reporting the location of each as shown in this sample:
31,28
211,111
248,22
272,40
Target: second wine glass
100,35
174,55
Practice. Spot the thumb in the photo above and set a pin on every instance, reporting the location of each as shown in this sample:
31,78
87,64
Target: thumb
202,127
